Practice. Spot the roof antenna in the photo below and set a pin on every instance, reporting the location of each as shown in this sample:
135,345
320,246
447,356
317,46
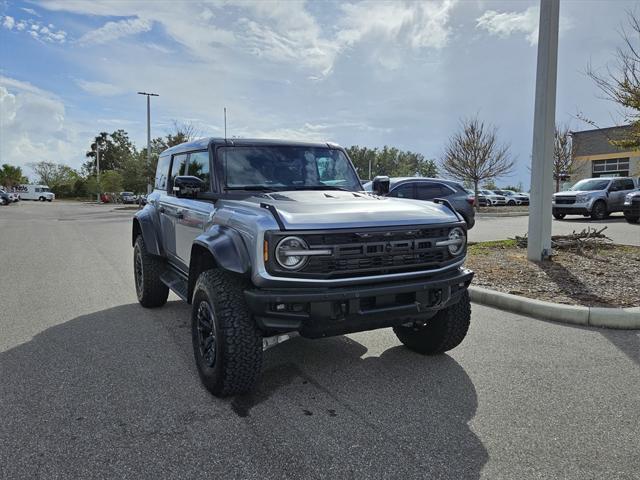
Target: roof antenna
225,124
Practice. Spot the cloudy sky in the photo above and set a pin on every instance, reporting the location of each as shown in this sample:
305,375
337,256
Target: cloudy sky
368,73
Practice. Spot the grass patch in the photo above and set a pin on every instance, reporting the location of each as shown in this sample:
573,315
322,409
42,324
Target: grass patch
482,248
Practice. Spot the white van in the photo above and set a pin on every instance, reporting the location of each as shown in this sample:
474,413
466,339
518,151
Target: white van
35,192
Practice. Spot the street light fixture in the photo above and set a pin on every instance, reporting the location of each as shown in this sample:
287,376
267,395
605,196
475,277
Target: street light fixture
148,95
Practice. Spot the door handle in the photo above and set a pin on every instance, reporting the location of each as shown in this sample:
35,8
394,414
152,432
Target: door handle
180,213
161,209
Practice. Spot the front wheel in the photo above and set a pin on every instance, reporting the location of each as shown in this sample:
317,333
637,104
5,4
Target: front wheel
631,218
441,333
227,344
599,211
559,216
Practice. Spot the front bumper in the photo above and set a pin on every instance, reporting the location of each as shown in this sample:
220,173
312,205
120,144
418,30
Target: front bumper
335,311
632,209
572,208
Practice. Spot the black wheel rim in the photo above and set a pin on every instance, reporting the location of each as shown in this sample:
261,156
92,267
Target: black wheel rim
206,328
599,210
138,270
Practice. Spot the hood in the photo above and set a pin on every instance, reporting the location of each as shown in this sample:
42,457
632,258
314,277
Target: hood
337,209
573,193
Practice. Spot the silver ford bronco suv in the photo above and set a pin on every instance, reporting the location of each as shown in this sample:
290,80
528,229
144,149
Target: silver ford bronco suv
268,239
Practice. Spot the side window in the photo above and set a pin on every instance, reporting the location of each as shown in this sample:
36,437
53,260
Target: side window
429,191
162,172
627,184
199,167
403,191
177,168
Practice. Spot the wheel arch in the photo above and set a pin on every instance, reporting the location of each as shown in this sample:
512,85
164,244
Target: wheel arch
220,247
143,225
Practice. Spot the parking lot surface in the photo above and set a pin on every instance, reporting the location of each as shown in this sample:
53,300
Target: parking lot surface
501,228
94,386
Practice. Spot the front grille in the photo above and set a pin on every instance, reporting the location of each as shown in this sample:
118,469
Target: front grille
565,200
373,252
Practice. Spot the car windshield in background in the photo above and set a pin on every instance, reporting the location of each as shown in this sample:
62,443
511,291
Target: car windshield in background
287,168
591,184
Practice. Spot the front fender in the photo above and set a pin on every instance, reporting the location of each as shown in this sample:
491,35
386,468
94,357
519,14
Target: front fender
227,248
144,223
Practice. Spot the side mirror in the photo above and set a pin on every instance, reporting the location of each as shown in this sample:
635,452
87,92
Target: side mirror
380,185
187,186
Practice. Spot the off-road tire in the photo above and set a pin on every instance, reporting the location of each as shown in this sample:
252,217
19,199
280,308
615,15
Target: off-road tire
237,340
151,291
443,332
599,210
631,218
559,216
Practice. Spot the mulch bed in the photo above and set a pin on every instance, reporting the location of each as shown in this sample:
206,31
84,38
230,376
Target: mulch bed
607,276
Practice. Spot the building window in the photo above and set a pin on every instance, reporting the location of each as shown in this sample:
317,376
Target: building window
613,167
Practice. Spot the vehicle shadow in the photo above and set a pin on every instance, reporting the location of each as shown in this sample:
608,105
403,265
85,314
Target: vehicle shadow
115,393
613,218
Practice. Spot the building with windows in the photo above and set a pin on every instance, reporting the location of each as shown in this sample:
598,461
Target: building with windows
595,156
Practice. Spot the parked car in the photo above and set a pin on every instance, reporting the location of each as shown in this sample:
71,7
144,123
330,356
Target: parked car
283,241
4,198
128,197
513,198
480,199
423,188
595,197
493,198
13,197
631,207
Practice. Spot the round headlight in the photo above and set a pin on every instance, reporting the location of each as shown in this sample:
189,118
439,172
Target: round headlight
458,241
288,253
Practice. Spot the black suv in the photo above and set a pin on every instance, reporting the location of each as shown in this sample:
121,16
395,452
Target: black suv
267,239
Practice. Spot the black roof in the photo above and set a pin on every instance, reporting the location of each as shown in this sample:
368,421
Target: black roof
203,143
598,141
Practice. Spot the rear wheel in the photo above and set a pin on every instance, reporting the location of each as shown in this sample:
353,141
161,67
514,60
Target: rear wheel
443,332
227,344
559,216
599,210
147,268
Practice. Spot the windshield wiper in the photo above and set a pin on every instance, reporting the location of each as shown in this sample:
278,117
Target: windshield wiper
317,187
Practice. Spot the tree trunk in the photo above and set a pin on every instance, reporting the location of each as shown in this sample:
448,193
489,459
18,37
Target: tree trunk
476,203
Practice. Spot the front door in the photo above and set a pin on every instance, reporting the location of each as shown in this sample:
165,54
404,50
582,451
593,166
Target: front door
169,208
194,214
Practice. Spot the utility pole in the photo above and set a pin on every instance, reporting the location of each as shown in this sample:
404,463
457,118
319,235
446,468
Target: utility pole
149,95
539,235
98,167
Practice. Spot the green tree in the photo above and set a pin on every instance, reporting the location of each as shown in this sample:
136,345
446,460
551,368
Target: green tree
10,176
115,150
390,161
111,181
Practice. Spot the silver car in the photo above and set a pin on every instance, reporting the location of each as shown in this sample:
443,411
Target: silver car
594,197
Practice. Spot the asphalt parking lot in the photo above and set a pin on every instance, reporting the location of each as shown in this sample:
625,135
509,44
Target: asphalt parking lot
94,386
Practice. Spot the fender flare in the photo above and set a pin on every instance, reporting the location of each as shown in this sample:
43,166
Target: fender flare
144,224
226,247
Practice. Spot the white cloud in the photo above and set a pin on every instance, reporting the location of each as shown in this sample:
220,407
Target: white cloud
114,30
8,22
31,11
35,29
101,89
33,127
506,24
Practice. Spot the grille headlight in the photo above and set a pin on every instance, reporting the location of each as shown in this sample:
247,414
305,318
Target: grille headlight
290,253
456,242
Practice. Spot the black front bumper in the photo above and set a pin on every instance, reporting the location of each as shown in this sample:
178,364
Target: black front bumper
335,311
632,210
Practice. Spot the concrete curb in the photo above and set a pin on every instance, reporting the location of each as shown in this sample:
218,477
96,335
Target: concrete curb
618,318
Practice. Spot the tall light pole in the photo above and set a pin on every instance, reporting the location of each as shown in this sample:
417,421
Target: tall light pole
149,95
539,235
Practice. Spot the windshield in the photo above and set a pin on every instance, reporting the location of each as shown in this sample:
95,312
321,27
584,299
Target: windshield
45,189
287,168
590,184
